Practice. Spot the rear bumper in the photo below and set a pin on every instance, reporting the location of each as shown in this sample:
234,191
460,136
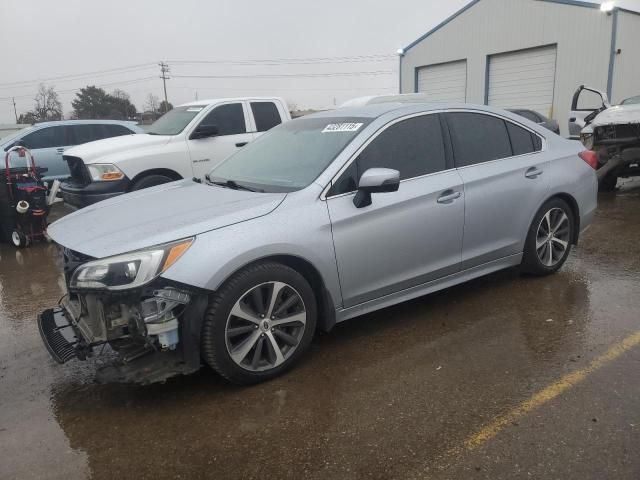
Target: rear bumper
80,196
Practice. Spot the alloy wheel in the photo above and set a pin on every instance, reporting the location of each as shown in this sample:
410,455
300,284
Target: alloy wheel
265,326
552,237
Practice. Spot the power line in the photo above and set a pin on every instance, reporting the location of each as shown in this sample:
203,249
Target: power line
290,61
73,90
286,75
77,76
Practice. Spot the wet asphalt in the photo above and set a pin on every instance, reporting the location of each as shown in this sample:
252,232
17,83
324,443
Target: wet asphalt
394,394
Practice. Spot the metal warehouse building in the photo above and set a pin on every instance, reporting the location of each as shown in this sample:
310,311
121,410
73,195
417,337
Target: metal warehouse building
526,54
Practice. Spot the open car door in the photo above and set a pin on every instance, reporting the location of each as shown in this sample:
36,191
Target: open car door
586,104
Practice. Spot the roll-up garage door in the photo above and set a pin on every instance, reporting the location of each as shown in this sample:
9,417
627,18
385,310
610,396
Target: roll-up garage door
444,82
523,79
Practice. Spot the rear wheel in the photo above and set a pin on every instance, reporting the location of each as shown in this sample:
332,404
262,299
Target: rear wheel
18,239
151,181
549,238
259,324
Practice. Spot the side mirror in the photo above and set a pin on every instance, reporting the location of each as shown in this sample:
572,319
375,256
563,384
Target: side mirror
375,180
204,131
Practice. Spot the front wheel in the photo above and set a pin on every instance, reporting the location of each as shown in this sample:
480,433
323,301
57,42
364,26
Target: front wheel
259,323
549,238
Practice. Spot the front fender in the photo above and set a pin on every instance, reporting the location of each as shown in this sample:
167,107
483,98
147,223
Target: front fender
297,228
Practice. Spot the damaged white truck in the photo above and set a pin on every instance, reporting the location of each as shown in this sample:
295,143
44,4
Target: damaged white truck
612,131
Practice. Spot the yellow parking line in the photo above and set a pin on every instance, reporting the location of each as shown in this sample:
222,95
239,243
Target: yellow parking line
551,392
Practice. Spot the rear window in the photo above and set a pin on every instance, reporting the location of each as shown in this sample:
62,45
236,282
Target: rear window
266,115
477,138
521,139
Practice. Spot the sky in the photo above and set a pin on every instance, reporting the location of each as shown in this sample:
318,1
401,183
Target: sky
315,54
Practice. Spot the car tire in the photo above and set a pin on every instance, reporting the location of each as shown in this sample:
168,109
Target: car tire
608,183
242,348
549,238
150,181
19,239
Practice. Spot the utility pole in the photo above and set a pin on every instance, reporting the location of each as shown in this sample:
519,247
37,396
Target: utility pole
15,112
164,69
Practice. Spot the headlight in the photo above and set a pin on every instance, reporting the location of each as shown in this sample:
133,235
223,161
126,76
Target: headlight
104,172
587,140
129,270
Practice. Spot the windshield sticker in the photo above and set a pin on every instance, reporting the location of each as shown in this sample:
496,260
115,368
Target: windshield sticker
341,127
194,109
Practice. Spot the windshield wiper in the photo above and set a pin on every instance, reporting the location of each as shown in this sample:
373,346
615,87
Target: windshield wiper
234,185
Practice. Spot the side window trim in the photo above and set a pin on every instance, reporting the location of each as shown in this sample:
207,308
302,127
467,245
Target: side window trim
543,140
356,154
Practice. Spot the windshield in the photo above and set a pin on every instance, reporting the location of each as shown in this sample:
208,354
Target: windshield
631,100
174,121
290,156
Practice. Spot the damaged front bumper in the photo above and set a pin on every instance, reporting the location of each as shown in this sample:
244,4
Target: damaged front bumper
154,332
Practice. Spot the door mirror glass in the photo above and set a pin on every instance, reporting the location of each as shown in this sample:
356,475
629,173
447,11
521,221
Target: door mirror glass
375,180
204,131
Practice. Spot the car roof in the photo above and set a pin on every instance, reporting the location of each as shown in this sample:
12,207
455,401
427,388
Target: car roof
81,122
210,101
398,108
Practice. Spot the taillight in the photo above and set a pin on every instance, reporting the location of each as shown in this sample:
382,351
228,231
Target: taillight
590,157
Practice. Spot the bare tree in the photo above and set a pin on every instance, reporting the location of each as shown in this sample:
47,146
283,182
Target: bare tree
152,104
47,106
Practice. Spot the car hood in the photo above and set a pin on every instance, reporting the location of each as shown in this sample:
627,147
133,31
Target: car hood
158,215
95,151
619,114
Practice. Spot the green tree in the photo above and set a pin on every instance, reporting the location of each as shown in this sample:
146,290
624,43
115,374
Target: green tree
94,102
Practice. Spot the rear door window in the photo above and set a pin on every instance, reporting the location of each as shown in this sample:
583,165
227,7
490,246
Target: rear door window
229,119
86,133
266,115
47,137
414,147
477,138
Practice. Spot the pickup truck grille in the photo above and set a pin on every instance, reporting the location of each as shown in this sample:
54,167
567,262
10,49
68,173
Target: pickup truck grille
78,170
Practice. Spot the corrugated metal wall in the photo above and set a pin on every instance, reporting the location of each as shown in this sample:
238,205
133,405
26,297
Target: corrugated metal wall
582,36
626,66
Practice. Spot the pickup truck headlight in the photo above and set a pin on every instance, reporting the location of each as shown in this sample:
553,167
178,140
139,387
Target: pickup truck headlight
587,140
104,172
129,270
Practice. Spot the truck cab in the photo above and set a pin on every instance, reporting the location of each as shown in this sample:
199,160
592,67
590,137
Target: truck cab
186,142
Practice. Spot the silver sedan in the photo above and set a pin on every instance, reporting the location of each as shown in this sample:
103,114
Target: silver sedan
320,220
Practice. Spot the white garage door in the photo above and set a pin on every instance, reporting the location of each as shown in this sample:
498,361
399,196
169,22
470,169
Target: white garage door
444,82
523,79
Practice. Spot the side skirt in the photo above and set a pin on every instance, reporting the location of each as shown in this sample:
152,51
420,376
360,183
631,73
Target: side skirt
429,287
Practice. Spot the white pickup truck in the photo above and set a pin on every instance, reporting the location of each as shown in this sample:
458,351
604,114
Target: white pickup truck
186,142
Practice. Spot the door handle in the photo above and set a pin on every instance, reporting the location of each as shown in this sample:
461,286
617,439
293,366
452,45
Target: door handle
533,172
60,150
572,119
241,144
448,196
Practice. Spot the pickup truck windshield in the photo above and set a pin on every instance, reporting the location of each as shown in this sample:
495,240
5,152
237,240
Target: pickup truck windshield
290,156
174,121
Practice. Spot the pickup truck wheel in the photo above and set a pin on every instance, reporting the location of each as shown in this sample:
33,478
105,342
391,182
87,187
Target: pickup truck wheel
608,183
549,238
150,181
259,323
